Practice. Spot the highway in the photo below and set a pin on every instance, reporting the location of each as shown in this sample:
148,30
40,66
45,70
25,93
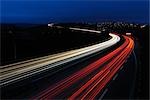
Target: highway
86,82
99,74
18,71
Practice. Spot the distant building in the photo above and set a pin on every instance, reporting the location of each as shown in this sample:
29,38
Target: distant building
50,24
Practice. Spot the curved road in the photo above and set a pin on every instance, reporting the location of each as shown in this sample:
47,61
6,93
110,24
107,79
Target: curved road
102,71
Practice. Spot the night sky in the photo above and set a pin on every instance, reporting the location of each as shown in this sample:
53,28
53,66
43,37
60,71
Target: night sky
44,11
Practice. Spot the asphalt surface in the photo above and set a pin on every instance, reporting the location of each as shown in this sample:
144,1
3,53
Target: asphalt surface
124,83
122,86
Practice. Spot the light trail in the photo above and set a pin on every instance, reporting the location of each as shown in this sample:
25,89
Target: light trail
90,89
86,30
14,72
96,84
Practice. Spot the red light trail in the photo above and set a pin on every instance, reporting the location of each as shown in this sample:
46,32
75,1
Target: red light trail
109,65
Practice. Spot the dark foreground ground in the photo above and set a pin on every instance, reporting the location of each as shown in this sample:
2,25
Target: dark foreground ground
142,80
